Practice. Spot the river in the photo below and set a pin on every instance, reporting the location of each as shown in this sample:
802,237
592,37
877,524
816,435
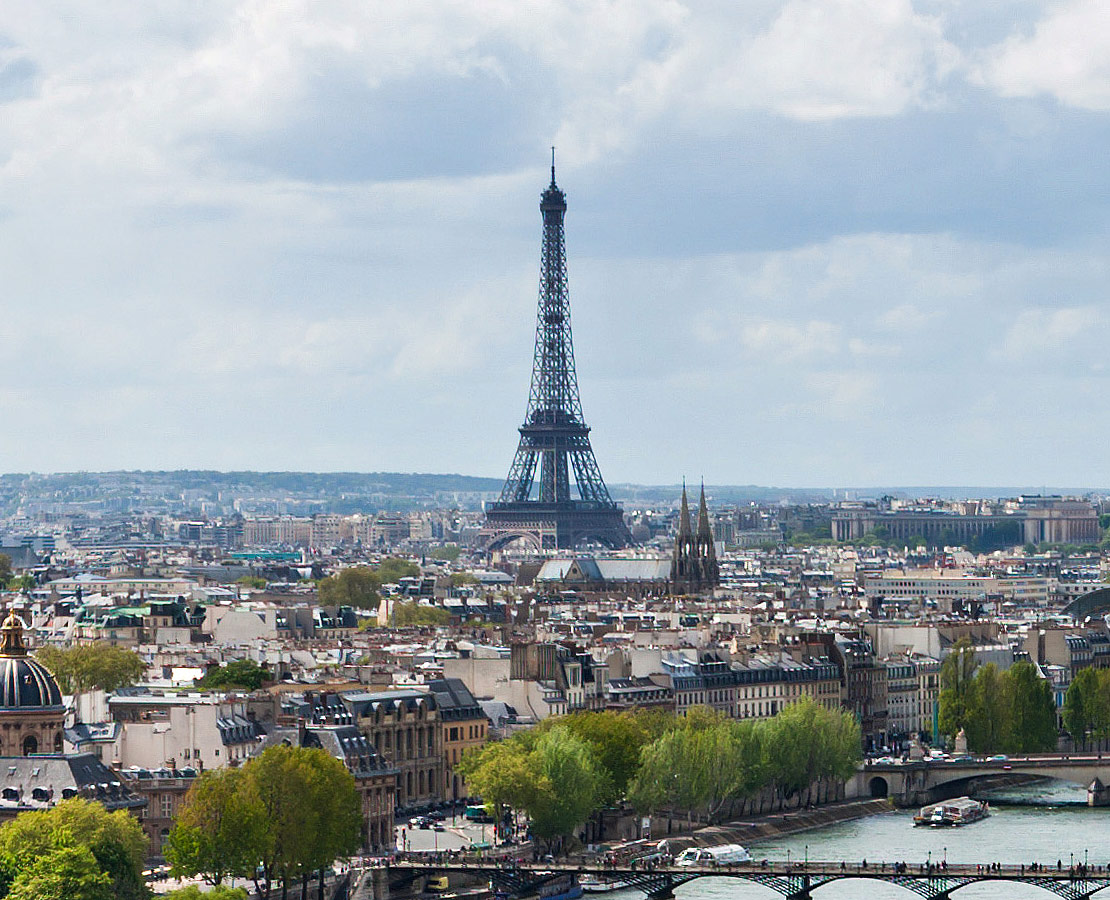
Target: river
1044,822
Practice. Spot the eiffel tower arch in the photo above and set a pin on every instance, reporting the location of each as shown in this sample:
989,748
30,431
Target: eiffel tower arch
554,496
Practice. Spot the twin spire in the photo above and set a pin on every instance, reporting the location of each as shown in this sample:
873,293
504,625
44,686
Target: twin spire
694,563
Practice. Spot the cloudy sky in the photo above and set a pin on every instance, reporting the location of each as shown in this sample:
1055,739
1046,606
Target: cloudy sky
812,242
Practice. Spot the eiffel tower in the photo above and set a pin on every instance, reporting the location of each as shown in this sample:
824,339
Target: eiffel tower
554,437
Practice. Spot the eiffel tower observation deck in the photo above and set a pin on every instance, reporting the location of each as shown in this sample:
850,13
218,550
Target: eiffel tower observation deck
554,458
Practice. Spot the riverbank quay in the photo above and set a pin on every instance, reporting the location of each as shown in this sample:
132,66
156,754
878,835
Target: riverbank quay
774,825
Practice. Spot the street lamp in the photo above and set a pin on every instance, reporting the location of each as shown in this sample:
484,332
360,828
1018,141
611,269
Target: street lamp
807,856
945,856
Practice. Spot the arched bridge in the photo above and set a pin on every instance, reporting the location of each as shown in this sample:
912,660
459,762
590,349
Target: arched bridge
794,881
918,783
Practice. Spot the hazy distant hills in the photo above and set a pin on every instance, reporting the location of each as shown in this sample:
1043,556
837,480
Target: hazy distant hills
393,488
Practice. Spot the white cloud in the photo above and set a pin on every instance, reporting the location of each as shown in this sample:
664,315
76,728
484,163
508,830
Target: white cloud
1067,56
827,59
1036,332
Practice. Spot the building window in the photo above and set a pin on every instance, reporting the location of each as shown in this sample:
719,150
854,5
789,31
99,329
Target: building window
167,806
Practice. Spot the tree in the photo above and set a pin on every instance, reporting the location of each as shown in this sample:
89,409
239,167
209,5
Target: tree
115,840
1032,713
5,567
239,673
505,774
392,569
552,775
702,763
311,809
68,873
251,581
1079,705
616,739
449,552
21,583
576,784
461,579
88,666
956,674
219,829
356,587
987,723
192,892
805,743
415,613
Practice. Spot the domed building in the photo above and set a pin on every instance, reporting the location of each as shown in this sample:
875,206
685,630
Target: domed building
31,711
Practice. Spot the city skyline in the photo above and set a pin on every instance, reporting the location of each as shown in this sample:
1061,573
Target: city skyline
808,242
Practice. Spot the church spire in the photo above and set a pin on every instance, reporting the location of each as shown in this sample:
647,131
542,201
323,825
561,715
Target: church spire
683,571
704,531
684,528
705,550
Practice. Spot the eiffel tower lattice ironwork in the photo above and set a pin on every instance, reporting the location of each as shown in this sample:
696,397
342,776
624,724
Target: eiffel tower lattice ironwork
536,503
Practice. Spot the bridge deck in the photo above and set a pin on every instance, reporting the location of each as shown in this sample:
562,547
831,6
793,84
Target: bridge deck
834,868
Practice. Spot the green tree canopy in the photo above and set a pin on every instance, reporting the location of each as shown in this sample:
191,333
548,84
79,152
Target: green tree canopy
392,569
239,673
1031,725
251,581
1086,710
552,775
449,552
311,809
192,892
356,587
988,712
414,613
1011,711
80,830
956,673
219,829
87,666
296,810
67,873
616,740
360,586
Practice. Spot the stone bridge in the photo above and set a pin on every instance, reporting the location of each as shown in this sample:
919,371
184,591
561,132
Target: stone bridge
919,783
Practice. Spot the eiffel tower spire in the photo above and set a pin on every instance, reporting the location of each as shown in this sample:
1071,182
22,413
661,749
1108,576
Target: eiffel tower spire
554,459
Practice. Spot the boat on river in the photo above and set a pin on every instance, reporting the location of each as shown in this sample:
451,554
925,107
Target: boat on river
952,813
600,884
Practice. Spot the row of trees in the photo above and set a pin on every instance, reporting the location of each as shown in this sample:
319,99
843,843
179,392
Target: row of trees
562,771
276,820
1011,711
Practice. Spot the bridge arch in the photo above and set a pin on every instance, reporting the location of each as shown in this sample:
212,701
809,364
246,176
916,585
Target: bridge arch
878,788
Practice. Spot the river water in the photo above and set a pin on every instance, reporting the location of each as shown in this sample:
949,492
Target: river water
1044,822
